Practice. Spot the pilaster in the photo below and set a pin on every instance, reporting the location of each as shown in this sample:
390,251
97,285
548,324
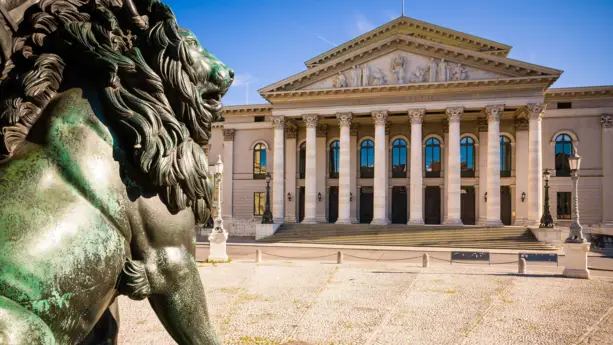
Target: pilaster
228,175
521,174
483,172
291,132
278,178
607,170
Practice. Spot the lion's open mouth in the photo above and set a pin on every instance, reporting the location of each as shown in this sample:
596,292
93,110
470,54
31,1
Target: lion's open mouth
212,102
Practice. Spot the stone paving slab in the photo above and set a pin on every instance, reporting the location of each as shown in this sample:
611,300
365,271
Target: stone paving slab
309,302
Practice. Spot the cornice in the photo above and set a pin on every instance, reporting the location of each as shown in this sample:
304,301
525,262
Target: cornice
247,110
513,83
500,65
479,43
587,92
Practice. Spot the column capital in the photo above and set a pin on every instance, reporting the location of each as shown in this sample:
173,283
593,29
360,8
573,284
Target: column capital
278,122
353,130
494,112
291,131
321,131
454,114
380,117
536,110
228,134
344,119
417,116
311,120
606,121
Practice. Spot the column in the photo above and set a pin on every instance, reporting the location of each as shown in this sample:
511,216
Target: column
521,173
416,208
278,172
290,172
380,183
444,159
482,126
344,178
607,170
228,162
535,163
452,171
353,194
310,178
493,164
321,134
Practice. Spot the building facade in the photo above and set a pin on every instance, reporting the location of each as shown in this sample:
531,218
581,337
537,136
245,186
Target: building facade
412,123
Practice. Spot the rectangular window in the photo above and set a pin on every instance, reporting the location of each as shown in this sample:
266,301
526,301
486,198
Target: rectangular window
258,203
564,205
565,105
259,119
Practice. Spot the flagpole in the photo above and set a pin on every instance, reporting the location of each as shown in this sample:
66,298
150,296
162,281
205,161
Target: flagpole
403,8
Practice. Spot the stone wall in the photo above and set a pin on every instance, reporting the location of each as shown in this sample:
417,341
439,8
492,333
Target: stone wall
241,227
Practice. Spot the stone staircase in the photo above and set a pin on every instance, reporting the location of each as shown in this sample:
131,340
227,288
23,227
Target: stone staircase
517,238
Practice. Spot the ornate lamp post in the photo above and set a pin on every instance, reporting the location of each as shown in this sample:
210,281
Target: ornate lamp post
576,231
546,218
267,216
219,235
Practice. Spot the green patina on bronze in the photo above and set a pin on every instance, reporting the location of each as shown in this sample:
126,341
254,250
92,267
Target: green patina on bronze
104,108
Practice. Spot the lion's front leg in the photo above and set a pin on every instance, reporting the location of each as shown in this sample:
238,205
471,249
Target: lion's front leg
177,296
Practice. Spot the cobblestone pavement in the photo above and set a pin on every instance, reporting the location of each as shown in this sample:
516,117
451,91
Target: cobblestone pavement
362,303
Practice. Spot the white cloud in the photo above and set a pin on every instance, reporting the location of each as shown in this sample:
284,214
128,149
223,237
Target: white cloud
362,24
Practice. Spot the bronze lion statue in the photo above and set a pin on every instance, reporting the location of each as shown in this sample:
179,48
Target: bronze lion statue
105,106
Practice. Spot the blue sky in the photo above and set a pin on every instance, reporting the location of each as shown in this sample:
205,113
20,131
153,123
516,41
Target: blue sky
265,41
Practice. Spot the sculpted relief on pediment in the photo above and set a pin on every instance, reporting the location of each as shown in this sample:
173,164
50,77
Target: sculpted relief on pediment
402,67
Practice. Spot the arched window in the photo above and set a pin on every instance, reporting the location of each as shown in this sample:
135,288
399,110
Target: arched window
399,158
335,158
467,157
564,147
259,162
505,156
433,158
302,160
367,159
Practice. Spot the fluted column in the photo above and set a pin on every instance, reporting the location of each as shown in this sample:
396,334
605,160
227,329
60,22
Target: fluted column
416,117
344,178
493,164
278,177
380,185
310,178
453,168
535,163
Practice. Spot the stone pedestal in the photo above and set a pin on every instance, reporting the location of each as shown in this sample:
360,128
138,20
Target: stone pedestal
265,230
576,260
217,248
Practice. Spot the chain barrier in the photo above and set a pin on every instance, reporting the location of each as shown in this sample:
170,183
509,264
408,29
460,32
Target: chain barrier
299,258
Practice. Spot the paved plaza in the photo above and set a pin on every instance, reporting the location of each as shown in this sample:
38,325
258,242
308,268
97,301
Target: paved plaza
364,303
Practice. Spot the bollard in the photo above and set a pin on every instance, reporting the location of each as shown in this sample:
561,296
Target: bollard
339,258
258,256
426,260
521,266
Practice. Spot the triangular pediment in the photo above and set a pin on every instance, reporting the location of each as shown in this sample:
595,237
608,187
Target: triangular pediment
419,56
406,26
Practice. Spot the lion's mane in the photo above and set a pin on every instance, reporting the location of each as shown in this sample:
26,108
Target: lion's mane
142,69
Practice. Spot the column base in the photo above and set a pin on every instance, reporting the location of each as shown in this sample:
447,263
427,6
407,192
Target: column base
494,223
482,222
576,260
291,219
455,222
521,222
344,221
416,222
355,221
278,220
380,222
309,221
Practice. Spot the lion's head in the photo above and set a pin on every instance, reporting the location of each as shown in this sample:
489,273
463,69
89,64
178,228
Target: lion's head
160,89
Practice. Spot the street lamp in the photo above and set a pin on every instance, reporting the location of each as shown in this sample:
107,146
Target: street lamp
267,216
576,231
546,218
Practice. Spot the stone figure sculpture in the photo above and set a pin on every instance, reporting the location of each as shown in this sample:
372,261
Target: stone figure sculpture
432,68
419,76
356,73
105,106
378,78
397,68
459,72
365,75
339,80
443,71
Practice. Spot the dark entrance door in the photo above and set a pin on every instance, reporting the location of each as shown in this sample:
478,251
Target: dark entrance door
301,204
366,205
433,205
468,206
333,205
505,205
399,205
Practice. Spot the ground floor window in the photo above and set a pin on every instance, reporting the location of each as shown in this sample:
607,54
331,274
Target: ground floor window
258,203
563,205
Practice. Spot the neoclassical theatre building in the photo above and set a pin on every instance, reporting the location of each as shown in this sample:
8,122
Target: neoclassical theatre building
413,123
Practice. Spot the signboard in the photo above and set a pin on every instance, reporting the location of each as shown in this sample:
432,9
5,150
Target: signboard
470,256
539,257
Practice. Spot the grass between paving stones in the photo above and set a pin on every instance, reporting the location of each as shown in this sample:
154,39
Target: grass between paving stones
247,340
